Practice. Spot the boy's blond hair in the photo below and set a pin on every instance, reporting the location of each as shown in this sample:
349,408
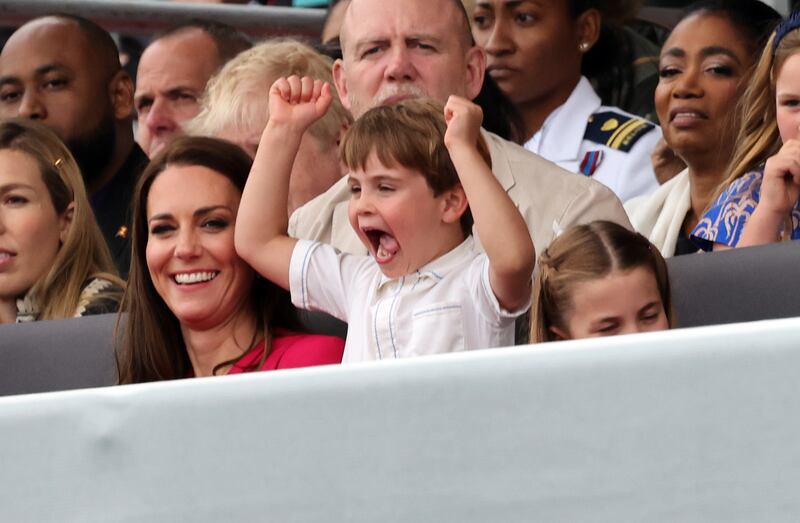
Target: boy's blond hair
244,82
409,134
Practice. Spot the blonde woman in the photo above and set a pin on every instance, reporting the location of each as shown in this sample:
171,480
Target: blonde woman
234,108
759,201
54,262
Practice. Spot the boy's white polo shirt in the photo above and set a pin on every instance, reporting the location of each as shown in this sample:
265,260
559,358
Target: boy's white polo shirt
445,306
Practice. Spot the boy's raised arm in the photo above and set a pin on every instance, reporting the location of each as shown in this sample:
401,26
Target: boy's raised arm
499,224
260,235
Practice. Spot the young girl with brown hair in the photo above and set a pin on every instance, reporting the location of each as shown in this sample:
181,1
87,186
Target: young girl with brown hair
600,279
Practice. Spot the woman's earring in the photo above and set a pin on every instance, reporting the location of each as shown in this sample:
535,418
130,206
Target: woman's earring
583,47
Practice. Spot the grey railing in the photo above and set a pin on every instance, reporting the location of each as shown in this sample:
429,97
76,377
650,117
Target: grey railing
147,16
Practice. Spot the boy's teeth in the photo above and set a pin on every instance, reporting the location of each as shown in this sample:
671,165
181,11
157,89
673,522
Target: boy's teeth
389,244
387,247
195,277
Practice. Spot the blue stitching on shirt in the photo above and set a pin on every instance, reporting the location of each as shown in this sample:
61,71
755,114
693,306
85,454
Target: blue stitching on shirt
436,309
304,276
419,278
391,309
435,275
375,328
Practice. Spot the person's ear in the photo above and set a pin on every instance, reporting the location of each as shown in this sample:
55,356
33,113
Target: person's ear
588,29
65,222
341,83
476,69
454,204
558,334
120,92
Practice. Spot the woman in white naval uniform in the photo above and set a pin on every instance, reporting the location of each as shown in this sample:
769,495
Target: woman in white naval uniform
535,51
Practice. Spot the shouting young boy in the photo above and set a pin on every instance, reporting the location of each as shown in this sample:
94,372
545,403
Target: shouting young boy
418,177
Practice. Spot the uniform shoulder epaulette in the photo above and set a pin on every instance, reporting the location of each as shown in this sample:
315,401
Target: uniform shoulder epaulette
616,130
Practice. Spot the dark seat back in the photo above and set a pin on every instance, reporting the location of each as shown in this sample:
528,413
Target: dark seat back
756,283
725,287
46,356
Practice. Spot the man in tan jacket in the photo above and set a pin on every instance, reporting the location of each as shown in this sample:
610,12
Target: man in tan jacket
397,50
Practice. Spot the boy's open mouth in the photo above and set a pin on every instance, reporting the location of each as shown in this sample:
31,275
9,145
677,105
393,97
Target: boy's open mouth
384,245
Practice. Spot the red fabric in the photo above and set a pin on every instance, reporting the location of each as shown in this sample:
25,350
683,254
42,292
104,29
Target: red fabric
291,350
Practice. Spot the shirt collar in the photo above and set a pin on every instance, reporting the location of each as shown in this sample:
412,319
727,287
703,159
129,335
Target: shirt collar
561,135
441,266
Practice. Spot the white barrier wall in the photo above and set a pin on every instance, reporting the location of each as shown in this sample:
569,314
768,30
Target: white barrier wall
690,425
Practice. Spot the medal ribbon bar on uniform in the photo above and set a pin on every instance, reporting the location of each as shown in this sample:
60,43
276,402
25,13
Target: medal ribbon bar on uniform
590,162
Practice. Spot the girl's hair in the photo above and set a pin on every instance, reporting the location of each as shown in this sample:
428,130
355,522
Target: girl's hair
758,136
588,252
152,346
83,255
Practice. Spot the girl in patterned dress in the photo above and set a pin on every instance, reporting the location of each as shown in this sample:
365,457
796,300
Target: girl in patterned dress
758,203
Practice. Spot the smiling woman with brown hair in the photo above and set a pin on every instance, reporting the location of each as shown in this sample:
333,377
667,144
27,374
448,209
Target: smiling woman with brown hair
194,307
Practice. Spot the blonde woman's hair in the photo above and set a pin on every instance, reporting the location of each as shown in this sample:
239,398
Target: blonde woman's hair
758,137
83,254
584,253
244,82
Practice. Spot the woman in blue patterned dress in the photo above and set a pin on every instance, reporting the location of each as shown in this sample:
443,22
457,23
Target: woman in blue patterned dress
759,202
